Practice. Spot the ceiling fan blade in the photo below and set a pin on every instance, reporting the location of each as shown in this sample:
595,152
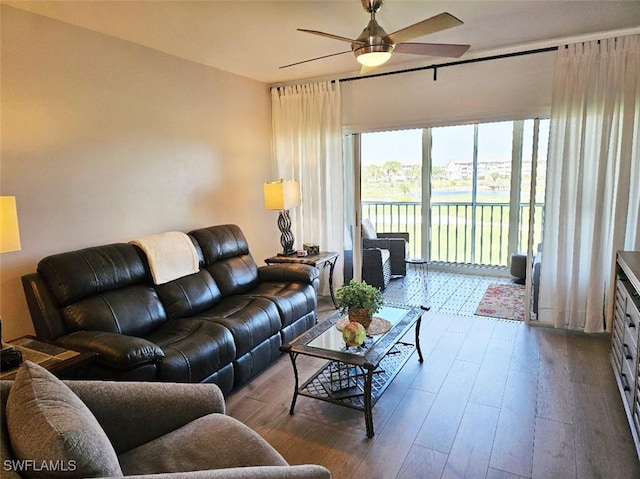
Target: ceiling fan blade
432,49
330,35
425,27
314,59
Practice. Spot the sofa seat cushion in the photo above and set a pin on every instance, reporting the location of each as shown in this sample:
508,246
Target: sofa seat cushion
235,445
250,319
49,424
193,349
293,300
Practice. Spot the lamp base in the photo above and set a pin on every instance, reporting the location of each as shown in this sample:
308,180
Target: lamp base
286,237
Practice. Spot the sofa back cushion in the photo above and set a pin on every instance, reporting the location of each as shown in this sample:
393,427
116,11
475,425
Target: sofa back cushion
104,288
190,295
226,256
77,274
135,310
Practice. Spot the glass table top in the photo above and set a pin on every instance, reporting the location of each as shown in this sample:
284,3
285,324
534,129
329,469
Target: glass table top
331,339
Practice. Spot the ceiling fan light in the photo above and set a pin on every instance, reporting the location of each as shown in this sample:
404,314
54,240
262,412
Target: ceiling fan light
373,59
374,55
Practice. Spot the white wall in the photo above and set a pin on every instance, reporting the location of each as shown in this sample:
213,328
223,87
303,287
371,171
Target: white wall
513,88
104,141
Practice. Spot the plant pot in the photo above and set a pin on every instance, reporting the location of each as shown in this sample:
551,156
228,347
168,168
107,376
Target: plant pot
360,315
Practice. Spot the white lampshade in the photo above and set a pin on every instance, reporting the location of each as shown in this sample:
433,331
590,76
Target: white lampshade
281,195
9,232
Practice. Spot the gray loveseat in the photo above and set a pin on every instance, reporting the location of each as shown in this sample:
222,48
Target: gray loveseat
223,324
51,429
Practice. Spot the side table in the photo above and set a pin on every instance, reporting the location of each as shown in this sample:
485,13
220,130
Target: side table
56,359
418,262
323,258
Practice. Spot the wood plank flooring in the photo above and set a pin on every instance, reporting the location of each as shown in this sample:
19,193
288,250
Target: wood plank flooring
493,399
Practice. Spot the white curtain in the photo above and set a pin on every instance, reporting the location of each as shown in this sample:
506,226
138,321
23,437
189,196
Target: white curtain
593,180
307,146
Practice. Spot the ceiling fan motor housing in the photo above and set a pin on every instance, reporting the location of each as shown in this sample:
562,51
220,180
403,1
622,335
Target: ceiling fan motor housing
372,39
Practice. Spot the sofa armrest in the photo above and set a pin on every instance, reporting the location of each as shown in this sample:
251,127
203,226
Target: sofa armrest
306,471
398,249
537,265
43,308
375,271
291,273
113,349
397,235
385,243
134,413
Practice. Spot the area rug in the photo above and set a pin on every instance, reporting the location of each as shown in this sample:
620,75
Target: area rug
504,301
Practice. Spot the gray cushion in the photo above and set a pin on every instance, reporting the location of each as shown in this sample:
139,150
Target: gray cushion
368,230
214,441
50,425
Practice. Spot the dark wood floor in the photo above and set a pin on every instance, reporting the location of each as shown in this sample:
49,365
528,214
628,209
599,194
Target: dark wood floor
493,399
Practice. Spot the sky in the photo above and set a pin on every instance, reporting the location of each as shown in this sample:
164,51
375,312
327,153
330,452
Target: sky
449,143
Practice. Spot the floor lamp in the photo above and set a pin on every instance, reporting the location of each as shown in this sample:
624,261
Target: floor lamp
282,196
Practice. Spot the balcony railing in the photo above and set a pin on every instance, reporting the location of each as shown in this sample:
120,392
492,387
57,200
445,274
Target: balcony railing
463,233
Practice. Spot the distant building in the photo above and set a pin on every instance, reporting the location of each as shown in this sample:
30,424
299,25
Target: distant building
463,169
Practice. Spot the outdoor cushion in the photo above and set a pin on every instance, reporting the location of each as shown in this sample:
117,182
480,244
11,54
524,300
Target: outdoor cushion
368,230
50,425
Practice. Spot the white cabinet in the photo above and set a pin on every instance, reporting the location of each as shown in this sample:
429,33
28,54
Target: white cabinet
625,337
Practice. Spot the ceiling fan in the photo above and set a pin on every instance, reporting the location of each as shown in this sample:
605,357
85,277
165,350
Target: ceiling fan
374,46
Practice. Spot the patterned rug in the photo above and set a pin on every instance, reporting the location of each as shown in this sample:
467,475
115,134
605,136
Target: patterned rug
504,301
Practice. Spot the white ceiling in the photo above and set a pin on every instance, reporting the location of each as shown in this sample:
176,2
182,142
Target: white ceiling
254,38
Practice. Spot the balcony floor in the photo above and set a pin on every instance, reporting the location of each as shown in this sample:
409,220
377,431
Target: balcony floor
442,291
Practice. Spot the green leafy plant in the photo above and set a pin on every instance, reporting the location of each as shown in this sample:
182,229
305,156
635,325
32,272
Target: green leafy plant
359,295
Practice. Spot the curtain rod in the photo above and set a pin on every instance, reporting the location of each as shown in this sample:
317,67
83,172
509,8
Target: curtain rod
451,64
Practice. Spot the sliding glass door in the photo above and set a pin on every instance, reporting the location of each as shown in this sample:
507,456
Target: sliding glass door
467,195
466,188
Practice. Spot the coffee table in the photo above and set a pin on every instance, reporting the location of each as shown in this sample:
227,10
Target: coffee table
356,377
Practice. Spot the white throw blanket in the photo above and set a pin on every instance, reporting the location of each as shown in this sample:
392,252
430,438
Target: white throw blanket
171,255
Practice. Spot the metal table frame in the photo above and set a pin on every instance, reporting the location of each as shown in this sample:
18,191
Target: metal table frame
323,258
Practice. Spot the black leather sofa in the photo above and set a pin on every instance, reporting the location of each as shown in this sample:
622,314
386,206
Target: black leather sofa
223,324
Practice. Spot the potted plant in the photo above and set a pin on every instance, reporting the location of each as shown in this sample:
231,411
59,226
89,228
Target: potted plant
360,300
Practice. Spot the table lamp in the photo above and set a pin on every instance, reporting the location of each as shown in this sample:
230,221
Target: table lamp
9,241
9,232
282,196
